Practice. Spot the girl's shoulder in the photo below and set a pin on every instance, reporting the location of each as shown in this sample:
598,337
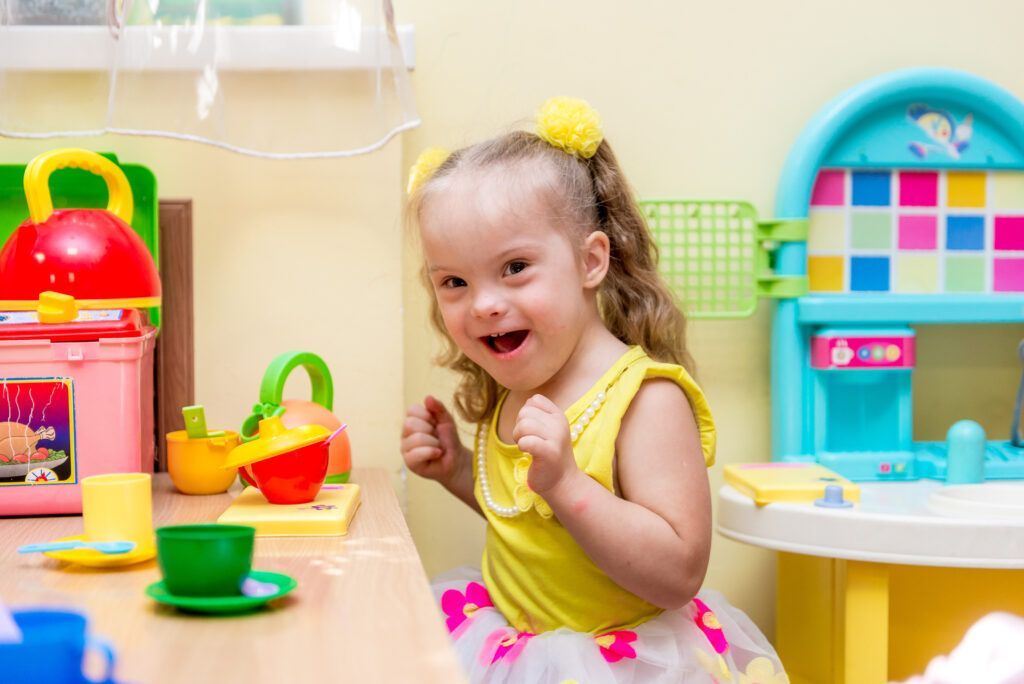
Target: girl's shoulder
656,391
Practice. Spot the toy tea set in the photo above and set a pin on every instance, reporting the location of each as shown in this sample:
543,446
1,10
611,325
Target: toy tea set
294,455
208,567
78,291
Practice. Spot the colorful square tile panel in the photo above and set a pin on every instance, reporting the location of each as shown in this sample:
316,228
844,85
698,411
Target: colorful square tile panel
908,231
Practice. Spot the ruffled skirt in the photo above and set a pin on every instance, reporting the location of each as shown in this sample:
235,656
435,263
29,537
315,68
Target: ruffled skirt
707,640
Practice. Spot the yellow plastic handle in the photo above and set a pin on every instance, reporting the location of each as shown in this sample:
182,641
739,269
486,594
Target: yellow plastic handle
37,182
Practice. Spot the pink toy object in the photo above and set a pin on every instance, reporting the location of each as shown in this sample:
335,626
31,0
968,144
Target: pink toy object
76,409
862,351
76,358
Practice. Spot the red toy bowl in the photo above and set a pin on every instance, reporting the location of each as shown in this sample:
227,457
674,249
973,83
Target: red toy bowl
287,466
293,477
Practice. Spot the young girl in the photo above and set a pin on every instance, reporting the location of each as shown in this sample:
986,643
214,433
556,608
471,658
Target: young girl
592,440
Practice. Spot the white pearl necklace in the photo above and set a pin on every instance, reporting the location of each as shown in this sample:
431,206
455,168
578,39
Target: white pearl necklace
481,457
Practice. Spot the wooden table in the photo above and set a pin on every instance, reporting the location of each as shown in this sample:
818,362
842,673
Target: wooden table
362,612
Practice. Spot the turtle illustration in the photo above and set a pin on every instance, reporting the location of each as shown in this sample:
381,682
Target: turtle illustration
20,440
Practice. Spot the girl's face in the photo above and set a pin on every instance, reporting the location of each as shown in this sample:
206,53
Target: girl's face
511,286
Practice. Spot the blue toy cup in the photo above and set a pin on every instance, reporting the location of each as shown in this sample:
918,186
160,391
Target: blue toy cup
52,649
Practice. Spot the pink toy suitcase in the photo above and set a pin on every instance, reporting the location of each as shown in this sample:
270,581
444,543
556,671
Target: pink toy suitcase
76,399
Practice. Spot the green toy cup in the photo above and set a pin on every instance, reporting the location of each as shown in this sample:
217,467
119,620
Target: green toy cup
205,560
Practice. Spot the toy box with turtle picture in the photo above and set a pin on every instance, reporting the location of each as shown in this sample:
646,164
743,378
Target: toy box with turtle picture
76,344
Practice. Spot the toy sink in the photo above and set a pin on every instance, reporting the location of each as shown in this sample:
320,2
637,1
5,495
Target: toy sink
999,500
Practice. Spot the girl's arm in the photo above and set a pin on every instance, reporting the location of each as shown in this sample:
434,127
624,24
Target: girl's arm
460,483
655,540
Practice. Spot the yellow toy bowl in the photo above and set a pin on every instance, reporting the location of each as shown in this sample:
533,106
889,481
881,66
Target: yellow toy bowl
197,465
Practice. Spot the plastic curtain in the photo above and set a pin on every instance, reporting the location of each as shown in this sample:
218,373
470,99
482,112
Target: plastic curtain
271,78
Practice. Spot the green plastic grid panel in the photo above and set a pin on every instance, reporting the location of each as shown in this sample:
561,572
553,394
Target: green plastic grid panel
708,254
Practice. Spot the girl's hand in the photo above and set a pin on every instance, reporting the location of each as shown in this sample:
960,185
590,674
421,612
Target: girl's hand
542,431
430,442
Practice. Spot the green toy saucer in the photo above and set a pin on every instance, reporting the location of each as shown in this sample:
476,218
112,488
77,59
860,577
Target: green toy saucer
223,604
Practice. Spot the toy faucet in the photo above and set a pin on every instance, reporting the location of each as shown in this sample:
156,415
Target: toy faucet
966,457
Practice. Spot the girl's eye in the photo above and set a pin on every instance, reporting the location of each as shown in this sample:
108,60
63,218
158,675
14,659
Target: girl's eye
453,282
515,267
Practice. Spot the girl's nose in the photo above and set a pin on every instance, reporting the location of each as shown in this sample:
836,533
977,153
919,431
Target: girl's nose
488,305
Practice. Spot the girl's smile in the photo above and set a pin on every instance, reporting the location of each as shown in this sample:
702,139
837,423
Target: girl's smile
507,345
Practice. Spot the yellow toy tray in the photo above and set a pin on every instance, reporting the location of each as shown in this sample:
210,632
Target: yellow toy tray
329,515
766,483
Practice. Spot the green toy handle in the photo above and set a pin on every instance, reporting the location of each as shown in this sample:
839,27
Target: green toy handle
272,388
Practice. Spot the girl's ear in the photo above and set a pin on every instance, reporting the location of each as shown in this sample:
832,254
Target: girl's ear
596,253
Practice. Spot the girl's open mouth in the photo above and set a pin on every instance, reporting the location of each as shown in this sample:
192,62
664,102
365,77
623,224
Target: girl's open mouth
506,343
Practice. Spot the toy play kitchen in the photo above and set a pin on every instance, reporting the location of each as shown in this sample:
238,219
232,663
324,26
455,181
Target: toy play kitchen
295,456
903,207
76,344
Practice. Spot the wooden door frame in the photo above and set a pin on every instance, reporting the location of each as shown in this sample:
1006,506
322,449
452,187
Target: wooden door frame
174,366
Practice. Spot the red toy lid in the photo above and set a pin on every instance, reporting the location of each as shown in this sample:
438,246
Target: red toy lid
89,254
92,255
86,327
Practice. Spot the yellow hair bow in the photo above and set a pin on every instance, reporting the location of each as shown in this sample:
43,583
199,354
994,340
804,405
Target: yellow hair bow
570,124
425,166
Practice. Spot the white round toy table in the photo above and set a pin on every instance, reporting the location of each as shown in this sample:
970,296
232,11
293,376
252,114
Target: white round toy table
871,593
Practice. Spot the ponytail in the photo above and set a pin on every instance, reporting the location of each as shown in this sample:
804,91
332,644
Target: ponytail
635,303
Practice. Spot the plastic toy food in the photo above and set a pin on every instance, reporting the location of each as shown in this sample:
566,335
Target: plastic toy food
17,440
19,453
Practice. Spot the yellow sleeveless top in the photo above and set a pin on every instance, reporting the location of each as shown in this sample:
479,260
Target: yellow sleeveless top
536,573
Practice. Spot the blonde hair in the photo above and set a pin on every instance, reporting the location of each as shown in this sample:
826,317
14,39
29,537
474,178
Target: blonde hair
635,303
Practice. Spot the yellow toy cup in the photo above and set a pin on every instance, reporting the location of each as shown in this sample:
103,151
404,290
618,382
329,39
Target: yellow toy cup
118,506
197,465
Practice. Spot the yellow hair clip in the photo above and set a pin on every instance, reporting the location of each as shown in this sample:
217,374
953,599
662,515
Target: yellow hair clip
424,167
570,124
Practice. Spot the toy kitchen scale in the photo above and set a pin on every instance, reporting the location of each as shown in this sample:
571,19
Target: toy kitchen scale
76,344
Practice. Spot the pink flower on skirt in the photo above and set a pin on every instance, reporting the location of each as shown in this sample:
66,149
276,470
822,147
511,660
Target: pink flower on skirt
616,645
507,644
708,623
458,606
